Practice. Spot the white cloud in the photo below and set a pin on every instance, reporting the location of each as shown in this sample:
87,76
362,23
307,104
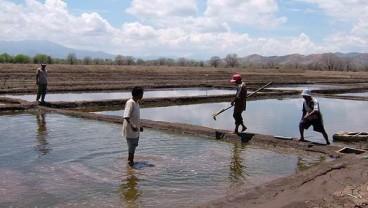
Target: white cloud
163,12
355,13
218,15
342,10
257,13
178,29
162,8
361,28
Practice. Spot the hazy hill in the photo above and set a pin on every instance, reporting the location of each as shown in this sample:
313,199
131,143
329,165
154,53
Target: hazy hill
33,47
358,60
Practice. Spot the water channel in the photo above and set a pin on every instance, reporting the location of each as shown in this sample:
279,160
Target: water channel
301,87
271,116
357,94
51,160
169,92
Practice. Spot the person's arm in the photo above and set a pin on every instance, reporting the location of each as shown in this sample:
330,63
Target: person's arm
308,115
314,111
237,96
131,124
37,77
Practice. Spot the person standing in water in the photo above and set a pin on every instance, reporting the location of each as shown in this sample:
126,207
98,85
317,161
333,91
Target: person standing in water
311,116
239,102
132,124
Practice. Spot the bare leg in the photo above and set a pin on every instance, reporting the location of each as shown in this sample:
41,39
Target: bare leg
326,137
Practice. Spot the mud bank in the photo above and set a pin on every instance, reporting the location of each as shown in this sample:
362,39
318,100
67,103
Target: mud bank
338,183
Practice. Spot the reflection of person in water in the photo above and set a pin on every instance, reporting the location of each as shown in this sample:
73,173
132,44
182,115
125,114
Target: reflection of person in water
236,167
304,164
129,190
42,145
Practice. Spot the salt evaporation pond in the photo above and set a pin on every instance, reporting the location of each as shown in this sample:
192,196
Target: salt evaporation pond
271,116
309,86
51,160
357,94
154,93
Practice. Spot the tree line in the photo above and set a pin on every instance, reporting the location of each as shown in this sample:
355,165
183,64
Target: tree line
328,62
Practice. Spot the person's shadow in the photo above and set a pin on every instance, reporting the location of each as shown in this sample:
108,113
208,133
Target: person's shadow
42,146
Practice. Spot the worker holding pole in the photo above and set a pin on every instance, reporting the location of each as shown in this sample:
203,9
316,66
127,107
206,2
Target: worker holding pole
239,102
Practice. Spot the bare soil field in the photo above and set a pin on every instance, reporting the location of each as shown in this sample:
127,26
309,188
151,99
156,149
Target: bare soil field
338,183
20,78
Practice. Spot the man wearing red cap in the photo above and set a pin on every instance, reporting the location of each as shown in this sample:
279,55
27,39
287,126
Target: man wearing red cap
239,102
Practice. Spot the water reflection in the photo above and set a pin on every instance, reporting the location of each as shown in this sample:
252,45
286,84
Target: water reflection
43,145
84,167
309,86
306,162
129,188
169,92
236,165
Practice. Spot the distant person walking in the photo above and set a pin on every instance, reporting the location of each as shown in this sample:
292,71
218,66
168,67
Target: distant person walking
41,81
132,124
239,102
312,116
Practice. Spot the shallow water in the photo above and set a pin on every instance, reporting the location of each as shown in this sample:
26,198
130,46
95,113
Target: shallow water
358,94
169,92
51,160
272,116
309,86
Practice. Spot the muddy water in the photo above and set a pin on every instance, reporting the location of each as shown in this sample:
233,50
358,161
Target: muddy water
271,116
170,92
50,160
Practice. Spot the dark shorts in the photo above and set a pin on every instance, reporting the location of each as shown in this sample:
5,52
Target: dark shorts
238,118
132,144
316,123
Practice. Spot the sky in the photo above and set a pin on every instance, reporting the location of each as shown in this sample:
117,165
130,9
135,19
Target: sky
195,29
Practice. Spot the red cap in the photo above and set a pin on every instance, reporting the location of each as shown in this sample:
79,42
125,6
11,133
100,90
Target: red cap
236,77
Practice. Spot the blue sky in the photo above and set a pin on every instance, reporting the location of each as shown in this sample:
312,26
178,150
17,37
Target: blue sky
197,29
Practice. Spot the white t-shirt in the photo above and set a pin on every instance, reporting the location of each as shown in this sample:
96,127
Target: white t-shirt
131,111
313,105
42,76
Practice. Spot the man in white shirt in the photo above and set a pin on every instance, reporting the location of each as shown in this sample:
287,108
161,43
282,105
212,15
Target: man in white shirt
311,116
132,125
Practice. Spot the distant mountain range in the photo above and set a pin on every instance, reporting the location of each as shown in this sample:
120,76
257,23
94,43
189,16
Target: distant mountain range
336,60
33,47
